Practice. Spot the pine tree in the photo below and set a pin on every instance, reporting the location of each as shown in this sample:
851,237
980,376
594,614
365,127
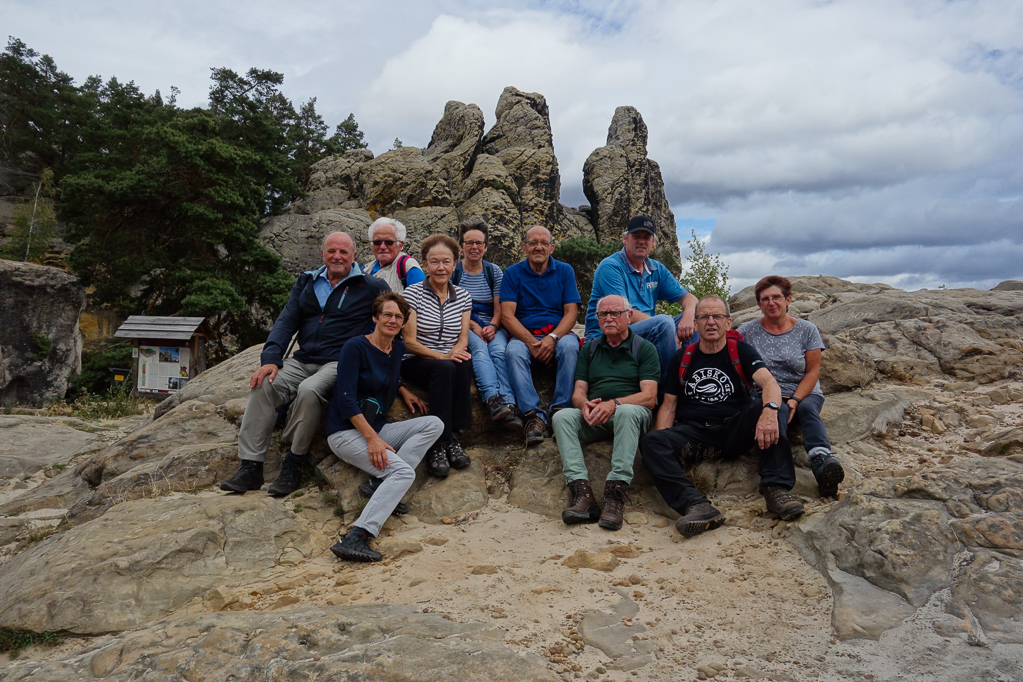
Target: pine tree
346,136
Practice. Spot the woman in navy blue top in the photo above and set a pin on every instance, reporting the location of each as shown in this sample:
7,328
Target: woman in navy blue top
357,428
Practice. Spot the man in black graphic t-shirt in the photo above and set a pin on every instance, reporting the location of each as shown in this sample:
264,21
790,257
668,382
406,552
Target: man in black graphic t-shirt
711,412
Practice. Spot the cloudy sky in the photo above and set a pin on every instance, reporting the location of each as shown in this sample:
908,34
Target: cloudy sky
871,140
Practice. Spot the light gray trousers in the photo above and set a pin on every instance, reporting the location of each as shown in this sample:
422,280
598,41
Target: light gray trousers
411,439
309,386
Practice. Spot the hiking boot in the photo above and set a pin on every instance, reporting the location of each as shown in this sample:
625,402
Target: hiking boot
828,472
513,422
614,499
369,487
290,477
355,547
535,428
249,477
781,502
584,507
497,408
699,518
456,455
437,460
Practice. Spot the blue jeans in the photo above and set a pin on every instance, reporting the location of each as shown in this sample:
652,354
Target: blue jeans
808,416
520,362
489,366
659,330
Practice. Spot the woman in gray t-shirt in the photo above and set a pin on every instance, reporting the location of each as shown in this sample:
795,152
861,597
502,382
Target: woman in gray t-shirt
791,349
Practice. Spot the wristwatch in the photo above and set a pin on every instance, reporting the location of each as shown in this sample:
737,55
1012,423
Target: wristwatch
772,405
617,402
553,336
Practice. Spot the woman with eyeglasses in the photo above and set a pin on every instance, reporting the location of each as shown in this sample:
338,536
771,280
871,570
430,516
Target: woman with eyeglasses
791,349
358,433
437,336
487,340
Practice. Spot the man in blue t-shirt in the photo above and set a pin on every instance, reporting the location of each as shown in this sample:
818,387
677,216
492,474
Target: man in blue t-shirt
643,281
539,304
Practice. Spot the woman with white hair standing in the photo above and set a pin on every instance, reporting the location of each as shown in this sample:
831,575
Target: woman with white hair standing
399,270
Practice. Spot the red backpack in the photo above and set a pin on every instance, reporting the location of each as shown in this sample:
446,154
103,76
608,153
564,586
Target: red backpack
732,338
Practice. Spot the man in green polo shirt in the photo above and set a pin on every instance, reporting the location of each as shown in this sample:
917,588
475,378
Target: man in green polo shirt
616,379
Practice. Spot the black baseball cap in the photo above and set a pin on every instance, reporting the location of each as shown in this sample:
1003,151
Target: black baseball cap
641,223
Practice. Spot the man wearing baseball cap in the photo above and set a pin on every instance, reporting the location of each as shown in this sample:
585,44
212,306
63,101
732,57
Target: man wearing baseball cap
643,281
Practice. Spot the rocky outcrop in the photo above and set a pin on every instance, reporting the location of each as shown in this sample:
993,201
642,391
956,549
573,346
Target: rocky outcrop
341,643
143,559
40,344
620,182
508,176
892,545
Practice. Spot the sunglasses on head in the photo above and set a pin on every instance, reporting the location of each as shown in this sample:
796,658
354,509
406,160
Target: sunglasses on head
381,242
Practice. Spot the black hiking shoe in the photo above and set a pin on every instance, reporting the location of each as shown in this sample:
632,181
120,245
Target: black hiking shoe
369,487
698,519
437,460
290,478
828,472
249,477
498,409
535,429
781,502
456,455
513,422
355,547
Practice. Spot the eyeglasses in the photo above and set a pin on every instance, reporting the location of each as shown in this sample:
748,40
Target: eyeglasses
392,316
381,242
613,314
536,242
717,318
777,298
474,243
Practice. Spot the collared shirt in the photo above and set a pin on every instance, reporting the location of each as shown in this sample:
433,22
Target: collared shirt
322,286
540,297
615,372
643,288
438,324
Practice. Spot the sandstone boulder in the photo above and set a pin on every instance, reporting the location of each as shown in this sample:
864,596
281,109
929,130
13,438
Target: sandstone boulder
620,182
40,343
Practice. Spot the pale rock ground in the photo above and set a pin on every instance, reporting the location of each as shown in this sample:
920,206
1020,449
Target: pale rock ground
735,603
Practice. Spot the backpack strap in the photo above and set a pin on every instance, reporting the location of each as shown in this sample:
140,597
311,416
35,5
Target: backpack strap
488,272
733,355
637,342
456,276
402,268
687,357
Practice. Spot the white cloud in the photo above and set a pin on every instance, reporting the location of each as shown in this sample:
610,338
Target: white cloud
876,138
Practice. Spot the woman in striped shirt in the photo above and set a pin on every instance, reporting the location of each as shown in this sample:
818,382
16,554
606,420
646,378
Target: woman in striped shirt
437,337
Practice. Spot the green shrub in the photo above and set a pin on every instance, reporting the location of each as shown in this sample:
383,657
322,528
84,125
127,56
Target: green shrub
12,641
584,255
95,374
705,273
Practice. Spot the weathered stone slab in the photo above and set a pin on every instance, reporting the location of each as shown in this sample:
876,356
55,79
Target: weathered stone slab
378,642
143,559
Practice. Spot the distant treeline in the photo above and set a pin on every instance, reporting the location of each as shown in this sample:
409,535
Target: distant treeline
163,204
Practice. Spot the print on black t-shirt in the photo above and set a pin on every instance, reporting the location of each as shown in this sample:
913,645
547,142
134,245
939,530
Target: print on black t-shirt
709,385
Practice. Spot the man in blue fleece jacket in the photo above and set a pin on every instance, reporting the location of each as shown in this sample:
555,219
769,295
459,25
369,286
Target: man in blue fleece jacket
327,307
